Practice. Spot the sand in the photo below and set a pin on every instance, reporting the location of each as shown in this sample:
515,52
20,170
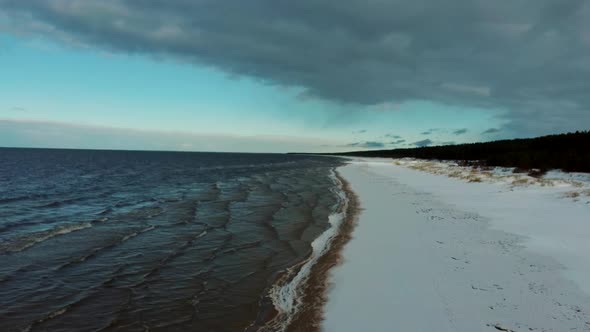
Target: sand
436,253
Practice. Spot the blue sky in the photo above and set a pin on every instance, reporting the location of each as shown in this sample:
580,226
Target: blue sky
49,84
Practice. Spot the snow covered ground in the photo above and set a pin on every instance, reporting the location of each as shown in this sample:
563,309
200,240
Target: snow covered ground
439,247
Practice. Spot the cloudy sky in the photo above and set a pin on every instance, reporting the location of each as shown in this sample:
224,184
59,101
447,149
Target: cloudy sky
278,75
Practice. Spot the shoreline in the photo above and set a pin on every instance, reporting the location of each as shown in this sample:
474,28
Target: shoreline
316,289
313,291
435,252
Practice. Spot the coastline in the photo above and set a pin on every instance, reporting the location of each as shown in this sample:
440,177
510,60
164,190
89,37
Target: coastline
432,252
316,289
312,290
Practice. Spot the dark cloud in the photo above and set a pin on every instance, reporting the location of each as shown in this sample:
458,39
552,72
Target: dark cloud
362,131
399,141
529,57
422,143
460,131
367,144
393,136
491,131
431,131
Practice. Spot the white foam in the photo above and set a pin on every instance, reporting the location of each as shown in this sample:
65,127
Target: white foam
22,243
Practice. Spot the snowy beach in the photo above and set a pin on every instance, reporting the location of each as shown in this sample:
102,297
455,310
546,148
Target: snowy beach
440,247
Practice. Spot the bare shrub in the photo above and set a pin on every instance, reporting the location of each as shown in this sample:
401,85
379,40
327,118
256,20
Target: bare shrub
537,173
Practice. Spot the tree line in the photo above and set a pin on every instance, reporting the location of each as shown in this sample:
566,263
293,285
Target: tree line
569,152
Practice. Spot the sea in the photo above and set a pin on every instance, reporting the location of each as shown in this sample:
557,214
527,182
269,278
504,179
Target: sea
159,241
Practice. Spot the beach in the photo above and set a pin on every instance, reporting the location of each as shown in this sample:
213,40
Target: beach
438,247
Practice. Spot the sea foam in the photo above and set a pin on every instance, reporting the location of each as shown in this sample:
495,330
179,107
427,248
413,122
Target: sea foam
24,242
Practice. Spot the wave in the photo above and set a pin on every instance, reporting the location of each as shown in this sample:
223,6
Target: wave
134,234
24,223
250,165
66,201
96,250
286,293
105,211
23,242
53,204
60,311
180,250
6,200
49,316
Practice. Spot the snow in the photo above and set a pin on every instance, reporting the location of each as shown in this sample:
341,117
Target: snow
435,252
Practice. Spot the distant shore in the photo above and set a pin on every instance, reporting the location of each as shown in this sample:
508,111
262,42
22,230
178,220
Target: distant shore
440,247
568,152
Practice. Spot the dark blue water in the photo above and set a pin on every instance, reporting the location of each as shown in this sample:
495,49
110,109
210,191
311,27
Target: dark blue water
151,241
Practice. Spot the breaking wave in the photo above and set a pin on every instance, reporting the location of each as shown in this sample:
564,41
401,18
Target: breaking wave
25,241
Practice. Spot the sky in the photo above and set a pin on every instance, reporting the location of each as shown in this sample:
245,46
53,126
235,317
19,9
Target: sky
280,76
